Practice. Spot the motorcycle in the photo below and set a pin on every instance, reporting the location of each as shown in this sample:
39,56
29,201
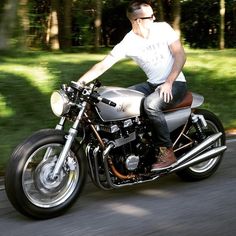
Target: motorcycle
104,132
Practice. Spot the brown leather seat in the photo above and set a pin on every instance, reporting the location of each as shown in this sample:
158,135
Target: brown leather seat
186,102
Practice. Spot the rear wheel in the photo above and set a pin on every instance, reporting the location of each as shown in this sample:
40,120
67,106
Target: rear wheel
207,168
28,181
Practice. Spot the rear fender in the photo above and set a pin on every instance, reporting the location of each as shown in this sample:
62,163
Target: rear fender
197,100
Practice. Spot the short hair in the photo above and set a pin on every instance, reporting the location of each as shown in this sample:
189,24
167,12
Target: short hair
134,6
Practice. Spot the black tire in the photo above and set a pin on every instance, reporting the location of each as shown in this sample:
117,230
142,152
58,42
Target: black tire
205,169
26,182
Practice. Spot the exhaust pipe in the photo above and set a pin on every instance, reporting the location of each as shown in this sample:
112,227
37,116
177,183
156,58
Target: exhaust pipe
203,157
198,150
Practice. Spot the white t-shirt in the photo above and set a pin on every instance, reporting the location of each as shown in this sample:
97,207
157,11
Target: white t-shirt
153,54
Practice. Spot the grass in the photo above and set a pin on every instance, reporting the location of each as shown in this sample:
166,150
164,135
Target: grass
213,74
28,78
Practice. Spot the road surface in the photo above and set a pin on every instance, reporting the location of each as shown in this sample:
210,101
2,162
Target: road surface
167,207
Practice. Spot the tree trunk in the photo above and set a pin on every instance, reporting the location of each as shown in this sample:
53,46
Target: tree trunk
64,14
53,28
160,11
24,22
8,23
98,23
234,23
176,15
222,24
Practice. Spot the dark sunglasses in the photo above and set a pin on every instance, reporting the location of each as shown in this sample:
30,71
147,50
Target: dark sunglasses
146,18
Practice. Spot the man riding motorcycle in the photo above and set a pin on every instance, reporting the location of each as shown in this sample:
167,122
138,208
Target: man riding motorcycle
156,48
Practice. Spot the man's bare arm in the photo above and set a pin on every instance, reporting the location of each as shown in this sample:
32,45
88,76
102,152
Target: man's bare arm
178,53
98,69
179,60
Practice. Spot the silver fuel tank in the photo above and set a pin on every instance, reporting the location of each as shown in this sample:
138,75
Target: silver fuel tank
128,103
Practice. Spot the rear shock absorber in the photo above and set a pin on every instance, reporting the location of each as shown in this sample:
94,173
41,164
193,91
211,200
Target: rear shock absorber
199,124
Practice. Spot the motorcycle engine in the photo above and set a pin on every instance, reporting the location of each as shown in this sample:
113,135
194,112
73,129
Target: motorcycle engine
127,137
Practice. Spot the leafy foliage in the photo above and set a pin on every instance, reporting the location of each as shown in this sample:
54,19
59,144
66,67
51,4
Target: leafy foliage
200,23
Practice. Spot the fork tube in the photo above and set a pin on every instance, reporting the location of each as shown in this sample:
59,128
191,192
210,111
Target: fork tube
70,139
60,125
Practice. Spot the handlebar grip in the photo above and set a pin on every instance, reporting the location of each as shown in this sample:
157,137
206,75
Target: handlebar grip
108,102
104,100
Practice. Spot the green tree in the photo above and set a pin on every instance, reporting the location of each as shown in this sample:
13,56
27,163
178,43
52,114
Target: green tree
8,23
169,11
200,23
61,24
51,23
230,23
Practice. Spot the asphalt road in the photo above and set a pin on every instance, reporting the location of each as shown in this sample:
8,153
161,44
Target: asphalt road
167,206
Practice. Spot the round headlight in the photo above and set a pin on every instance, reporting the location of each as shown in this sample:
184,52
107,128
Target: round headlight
60,103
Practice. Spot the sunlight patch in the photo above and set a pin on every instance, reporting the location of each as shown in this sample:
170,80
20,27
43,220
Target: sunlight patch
39,77
5,111
127,209
156,193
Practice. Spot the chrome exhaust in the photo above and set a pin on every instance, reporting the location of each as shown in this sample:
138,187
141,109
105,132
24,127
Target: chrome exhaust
199,149
202,157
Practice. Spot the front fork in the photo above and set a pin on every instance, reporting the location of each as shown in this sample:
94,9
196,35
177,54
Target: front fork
73,131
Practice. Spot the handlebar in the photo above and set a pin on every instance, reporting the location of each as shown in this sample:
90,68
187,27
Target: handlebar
76,85
95,96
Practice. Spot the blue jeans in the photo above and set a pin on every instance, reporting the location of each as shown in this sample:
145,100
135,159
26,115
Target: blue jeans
154,106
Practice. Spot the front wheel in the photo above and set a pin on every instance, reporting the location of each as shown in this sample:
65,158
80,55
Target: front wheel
28,182
207,168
